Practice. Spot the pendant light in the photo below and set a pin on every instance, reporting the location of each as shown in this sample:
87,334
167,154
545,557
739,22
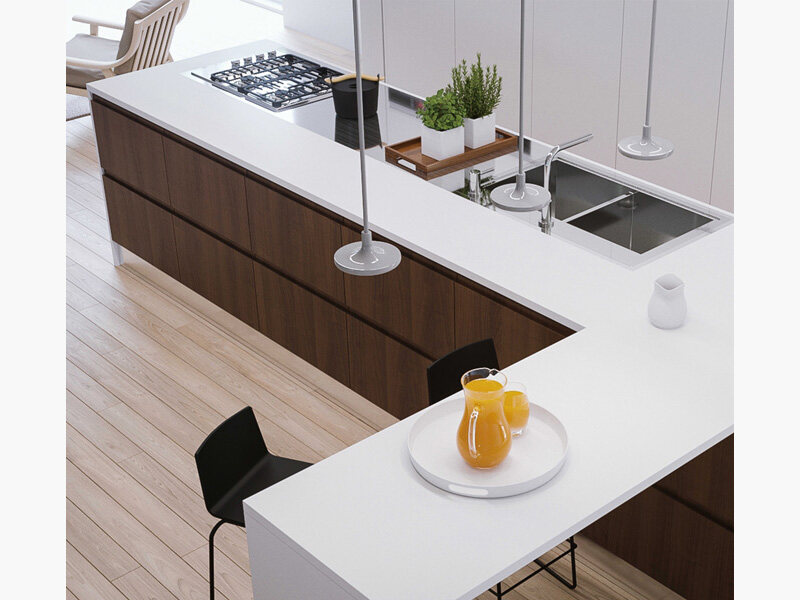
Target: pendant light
647,147
520,196
366,257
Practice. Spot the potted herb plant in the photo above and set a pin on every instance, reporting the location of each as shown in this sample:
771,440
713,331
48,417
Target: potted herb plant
478,91
442,125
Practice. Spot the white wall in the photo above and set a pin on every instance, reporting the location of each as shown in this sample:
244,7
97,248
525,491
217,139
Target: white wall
419,43
496,37
576,57
327,20
589,73
690,39
722,180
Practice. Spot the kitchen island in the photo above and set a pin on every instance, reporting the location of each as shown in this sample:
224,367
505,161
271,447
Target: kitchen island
247,208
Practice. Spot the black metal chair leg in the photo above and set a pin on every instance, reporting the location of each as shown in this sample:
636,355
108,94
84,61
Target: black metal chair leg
498,593
211,558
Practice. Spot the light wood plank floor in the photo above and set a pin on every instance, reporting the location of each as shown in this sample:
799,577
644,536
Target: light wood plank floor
151,369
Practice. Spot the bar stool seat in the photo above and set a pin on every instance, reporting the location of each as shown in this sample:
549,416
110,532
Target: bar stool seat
267,472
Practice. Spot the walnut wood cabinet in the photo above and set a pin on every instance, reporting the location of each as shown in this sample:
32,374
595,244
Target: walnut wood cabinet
686,551
142,227
517,332
217,271
388,373
131,152
302,322
414,302
208,193
295,239
706,483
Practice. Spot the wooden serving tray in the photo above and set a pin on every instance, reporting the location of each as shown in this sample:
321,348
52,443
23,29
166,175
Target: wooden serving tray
429,168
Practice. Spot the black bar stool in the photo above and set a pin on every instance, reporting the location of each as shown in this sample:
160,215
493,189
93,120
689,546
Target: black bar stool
444,376
233,463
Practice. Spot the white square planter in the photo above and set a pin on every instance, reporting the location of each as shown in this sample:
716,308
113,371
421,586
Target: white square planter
442,144
479,132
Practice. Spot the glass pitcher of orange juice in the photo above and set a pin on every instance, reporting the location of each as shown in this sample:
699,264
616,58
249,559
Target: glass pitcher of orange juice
484,436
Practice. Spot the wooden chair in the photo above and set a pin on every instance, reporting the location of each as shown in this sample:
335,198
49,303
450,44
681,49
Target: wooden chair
145,42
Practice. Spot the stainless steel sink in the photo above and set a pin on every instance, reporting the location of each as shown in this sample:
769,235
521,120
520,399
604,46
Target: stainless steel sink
613,218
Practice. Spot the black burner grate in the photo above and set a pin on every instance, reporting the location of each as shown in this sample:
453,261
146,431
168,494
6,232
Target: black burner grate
276,82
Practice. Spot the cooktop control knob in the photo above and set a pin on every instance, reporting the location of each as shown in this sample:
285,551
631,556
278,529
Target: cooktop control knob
248,61
272,54
259,57
234,64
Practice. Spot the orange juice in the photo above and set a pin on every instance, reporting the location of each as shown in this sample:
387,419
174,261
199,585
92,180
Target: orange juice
517,410
484,437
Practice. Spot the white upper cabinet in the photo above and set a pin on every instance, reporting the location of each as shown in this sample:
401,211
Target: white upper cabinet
492,28
686,85
722,182
576,66
419,42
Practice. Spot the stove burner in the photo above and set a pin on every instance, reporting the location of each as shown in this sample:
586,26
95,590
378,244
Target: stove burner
275,82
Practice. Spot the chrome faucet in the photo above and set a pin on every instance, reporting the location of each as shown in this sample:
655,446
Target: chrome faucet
546,224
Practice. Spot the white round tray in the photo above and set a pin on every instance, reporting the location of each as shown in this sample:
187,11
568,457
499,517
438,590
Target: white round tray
535,457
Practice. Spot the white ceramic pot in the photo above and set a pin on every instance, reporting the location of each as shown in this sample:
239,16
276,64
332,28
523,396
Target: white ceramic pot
442,144
667,308
479,132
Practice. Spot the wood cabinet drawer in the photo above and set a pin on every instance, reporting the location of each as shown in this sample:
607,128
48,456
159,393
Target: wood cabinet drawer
413,302
295,239
302,322
131,152
142,227
673,544
216,271
385,371
207,192
706,483
515,335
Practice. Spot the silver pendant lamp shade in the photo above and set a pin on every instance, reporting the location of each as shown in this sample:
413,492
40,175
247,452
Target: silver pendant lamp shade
520,196
366,257
648,146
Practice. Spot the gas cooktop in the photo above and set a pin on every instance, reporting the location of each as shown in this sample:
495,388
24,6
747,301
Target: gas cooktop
277,82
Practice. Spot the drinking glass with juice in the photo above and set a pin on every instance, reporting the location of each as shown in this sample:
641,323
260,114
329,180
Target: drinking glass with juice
516,407
484,436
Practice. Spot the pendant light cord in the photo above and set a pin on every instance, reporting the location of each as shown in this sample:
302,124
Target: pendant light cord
360,106
650,70
521,82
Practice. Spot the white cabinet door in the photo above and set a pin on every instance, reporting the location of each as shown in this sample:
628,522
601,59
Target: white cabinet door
419,44
722,183
576,59
686,83
492,28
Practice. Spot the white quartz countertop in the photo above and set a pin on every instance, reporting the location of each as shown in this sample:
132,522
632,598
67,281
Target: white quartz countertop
637,402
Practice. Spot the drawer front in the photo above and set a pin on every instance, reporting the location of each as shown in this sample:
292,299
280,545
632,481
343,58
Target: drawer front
673,544
131,152
385,371
302,322
216,271
142,227
706,483
295,239
413,302
208,193
515,335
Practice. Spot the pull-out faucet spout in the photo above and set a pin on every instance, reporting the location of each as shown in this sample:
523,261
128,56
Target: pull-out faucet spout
546,223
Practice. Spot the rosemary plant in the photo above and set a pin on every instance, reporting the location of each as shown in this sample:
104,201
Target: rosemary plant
477,89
